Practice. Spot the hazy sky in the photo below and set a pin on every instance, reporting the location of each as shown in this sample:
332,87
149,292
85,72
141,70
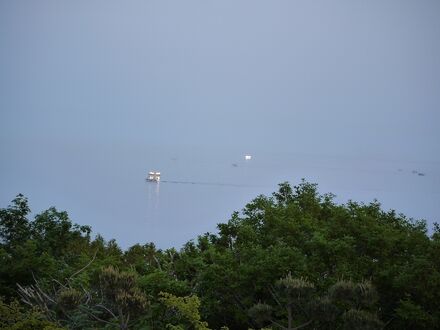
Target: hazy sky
331,77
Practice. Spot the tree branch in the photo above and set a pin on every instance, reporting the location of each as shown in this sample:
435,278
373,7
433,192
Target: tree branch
95,317
88,264
106,309
303,325
279,325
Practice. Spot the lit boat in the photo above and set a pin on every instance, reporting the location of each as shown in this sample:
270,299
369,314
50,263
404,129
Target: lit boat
153,176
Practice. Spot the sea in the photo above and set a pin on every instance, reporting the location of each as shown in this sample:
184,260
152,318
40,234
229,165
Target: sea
105,185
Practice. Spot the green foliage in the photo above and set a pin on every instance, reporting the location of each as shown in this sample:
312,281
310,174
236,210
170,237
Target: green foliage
414,315
187,309
361,320
14,317
306,233
46,247
295,289
120,290
159,281
115,300
261,314
340,307
14,225
327,250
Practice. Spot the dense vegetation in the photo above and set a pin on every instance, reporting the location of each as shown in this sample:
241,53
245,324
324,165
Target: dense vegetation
289,261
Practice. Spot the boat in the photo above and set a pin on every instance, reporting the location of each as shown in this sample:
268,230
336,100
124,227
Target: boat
247,157
153,176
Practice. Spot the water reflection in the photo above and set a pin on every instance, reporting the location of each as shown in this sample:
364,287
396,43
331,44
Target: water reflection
153,195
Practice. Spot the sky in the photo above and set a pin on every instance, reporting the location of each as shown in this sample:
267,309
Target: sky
352,77
357,79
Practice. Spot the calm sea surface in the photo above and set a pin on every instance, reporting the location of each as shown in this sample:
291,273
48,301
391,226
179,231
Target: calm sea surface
105,187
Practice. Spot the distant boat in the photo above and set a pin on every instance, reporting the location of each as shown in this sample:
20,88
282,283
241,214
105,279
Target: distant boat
153,176
247,157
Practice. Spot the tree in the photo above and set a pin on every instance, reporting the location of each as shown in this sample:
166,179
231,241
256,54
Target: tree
121,297
14,225
296,230
346,305
187,310
115,300
14,317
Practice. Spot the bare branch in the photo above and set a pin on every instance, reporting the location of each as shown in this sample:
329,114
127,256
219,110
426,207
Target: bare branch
88,264
95,317
279,325
274,295
303,325
106,309
157,262
59,283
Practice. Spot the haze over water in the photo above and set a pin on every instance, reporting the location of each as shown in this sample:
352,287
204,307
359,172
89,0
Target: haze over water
94,94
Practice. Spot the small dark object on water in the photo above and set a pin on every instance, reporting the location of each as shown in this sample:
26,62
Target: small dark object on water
421,174
234,165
